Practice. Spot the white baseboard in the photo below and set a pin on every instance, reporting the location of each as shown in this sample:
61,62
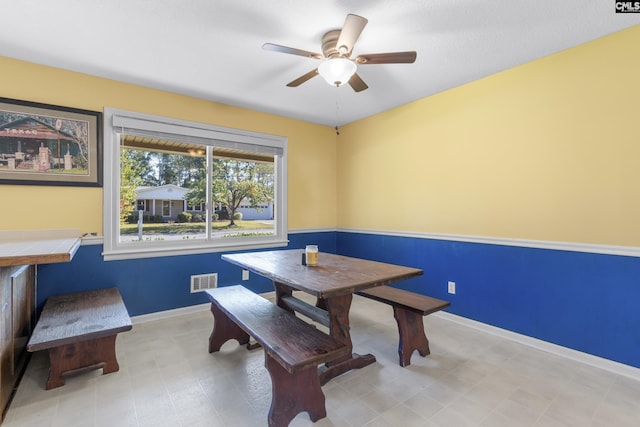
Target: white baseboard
159,315
578,356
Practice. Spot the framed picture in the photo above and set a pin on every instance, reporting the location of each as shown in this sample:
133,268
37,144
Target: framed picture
42,144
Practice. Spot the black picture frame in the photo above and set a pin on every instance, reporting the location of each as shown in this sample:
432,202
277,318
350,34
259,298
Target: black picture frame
44,144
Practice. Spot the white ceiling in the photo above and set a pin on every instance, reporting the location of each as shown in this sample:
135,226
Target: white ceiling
212,49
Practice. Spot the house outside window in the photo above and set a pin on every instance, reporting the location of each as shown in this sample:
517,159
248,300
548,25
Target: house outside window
199,207
173,170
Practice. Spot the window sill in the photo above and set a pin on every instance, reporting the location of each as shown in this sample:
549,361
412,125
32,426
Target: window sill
176,250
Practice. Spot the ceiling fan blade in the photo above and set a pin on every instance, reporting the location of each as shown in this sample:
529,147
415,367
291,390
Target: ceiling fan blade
351,30
387,58
357,83
291,50
297,82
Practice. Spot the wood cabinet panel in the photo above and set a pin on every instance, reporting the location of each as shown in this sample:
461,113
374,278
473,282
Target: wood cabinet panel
17,318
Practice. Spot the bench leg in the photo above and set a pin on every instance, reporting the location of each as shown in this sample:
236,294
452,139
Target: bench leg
294,393
412,335
83,355
224,329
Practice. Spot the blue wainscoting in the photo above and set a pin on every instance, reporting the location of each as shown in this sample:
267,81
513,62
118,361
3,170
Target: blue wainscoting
584,301
149,285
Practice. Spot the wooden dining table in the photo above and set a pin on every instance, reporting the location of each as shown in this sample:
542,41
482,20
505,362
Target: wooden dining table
333,282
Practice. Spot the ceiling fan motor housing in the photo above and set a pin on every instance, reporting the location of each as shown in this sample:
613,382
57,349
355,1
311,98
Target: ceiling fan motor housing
329,41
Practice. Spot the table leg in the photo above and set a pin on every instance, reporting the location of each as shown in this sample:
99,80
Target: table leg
338,308
282,291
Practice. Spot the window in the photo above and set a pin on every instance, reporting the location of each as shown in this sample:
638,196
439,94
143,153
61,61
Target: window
162,175
194,207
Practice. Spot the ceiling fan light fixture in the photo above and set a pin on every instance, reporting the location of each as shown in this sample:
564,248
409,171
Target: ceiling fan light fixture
337,71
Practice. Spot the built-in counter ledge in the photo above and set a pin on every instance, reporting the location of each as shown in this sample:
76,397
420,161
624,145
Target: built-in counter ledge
27,247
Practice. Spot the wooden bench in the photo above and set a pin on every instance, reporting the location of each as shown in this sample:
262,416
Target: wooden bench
408,309
293,349
80,330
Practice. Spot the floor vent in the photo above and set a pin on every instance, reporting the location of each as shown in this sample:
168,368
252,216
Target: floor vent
200,282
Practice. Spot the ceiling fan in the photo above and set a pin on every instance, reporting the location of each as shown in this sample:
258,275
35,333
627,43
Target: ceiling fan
337,67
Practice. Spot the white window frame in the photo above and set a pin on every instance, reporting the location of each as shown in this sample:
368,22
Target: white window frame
115,120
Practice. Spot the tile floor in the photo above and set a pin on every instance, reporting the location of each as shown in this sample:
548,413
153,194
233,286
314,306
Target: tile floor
471,378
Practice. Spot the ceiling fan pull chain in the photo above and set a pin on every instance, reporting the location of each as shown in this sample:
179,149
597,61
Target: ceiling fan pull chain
337,119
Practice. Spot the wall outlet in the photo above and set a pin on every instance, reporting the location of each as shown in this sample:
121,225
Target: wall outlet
451,287
245,274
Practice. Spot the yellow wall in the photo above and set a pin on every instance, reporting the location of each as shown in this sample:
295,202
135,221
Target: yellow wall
312,150
546,151
549,150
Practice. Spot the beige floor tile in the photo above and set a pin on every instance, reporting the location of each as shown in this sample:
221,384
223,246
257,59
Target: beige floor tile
168,378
